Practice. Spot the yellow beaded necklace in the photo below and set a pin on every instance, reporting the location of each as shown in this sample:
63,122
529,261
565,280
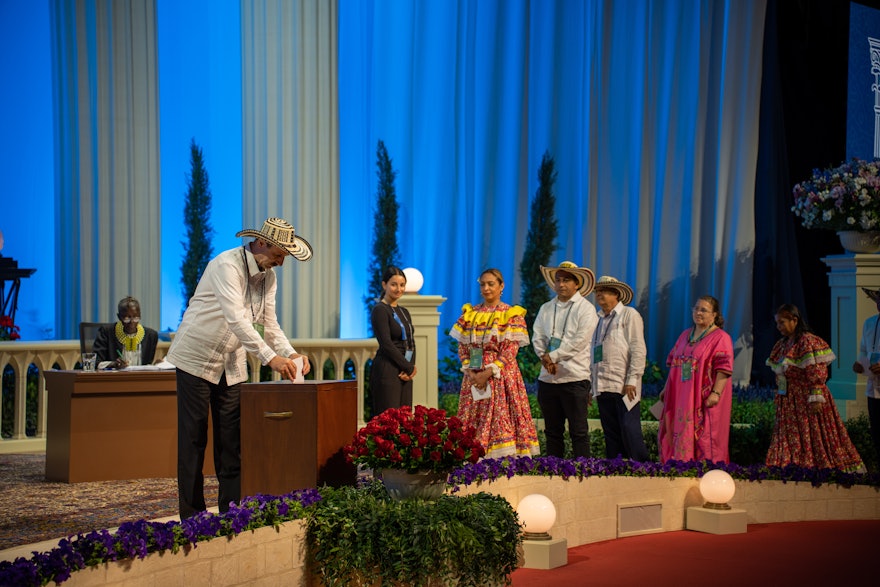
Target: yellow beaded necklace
129,342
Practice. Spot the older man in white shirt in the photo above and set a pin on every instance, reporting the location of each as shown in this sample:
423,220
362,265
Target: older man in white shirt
231,312
618,364
562,333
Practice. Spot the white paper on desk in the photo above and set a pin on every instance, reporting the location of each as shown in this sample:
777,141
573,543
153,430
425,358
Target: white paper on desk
657,409
479,394
298,361
162,365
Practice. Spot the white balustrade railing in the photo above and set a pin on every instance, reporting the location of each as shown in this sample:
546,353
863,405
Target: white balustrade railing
65,354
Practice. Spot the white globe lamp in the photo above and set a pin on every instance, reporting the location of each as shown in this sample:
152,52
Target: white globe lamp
717,488
414,280
538,514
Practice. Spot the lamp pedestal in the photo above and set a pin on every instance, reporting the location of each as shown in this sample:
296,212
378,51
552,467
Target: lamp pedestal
545,554
732,521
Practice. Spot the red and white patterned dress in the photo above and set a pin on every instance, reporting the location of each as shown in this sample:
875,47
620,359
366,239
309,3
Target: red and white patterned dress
504,422
800,436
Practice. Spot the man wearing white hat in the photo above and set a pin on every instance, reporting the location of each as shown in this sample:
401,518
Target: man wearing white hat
618,351
231,312
563,330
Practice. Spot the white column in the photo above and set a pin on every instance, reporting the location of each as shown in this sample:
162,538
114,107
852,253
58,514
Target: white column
849,309
106,159
290,148
426,319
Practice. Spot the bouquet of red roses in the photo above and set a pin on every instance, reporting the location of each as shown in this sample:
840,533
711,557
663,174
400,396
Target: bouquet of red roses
415,439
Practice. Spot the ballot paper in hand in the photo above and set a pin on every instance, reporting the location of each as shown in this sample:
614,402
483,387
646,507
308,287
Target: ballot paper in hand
479,394
657,409
298,361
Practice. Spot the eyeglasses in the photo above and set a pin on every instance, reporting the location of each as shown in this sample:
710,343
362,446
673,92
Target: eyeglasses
128,320
701,310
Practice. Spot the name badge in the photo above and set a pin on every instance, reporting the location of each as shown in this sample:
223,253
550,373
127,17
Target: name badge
555,343
261,330
476,354
408,355
597,353
781,384
687,370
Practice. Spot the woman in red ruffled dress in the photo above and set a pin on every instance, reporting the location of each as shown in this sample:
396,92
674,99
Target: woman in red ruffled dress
493,396
808,431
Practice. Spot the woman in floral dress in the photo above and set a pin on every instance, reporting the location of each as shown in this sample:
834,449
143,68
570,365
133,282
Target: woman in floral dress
808,431
493,396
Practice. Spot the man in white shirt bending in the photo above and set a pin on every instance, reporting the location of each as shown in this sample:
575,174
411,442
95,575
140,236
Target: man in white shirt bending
231,313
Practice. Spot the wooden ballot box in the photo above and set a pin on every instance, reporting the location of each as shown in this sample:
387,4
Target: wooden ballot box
292,435
105,425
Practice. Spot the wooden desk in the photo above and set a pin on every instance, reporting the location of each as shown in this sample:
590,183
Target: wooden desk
113,425
292,435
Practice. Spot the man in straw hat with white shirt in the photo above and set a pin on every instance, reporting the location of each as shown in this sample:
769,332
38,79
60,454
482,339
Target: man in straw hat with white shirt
618,352
231,312
562,333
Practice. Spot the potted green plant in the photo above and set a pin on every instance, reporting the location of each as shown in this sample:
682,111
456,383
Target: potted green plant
412,450
845,199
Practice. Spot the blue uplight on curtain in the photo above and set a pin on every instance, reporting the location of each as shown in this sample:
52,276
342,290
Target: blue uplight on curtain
649,108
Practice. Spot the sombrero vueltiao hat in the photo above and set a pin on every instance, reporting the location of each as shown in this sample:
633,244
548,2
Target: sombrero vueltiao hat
874,294
584,276
280,233
624,292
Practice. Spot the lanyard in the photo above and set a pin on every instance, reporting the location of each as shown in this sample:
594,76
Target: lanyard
407,338
248,294
564,322
488,329
607,328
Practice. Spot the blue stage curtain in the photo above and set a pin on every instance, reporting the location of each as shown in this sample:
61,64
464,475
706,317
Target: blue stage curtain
650,110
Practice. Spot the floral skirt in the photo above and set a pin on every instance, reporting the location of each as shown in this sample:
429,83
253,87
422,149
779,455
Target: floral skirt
815,440
504,422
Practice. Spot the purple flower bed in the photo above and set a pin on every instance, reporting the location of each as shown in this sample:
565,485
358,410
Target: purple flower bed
579,468
138,539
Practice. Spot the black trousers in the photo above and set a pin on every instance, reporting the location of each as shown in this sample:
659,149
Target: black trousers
622,428
561,402
194,398
874,419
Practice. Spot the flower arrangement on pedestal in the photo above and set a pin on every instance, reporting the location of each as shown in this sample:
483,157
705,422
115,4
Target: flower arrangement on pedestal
843,198
8,330
415,440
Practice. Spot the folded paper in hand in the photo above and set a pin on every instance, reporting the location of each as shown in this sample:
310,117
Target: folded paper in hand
657,409
298,361
479,394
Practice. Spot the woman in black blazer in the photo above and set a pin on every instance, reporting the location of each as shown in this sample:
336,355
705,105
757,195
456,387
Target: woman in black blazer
395,363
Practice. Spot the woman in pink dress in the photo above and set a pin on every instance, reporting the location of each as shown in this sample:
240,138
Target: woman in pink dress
808,430
493,396
695,421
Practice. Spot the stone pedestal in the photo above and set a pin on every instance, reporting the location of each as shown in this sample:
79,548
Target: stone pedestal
545,554
732,521
849,308
426,318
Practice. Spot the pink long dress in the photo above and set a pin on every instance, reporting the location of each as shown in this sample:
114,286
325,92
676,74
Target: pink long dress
689,430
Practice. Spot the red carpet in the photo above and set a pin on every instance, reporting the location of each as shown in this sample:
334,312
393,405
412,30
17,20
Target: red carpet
797,554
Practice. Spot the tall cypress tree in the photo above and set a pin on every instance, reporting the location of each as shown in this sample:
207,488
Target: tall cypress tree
197,249
540,246
384,244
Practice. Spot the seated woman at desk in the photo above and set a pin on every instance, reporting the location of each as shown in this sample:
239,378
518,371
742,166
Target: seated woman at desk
126,342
